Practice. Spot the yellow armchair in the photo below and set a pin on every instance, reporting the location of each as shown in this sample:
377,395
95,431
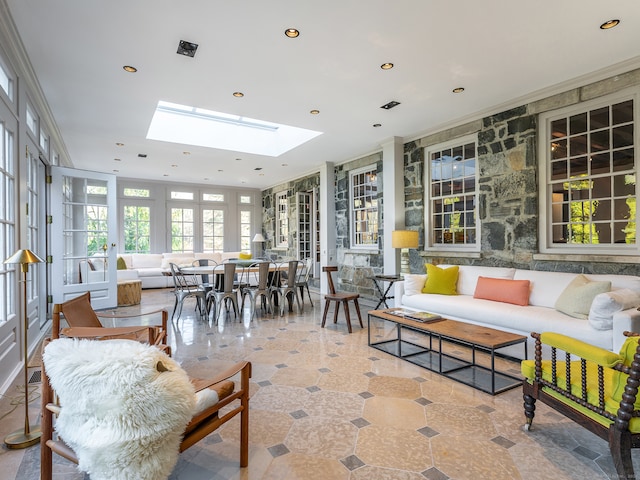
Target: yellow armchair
594,387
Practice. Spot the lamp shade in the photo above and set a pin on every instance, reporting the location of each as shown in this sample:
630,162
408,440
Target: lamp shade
24,256
404,239
258,238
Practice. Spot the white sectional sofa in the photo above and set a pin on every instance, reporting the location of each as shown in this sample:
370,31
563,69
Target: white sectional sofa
610,314
152,268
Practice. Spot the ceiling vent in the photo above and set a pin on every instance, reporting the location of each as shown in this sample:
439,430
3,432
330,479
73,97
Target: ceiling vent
390,105
142,155
187,49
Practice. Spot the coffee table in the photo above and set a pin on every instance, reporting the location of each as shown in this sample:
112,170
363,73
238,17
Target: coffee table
430,355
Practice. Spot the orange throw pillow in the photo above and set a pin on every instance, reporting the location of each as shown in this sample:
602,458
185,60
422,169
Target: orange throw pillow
503,290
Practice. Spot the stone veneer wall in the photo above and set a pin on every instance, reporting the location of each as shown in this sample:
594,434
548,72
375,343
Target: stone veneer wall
507,169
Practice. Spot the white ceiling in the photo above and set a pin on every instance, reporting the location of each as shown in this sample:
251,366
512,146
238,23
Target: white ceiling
500,51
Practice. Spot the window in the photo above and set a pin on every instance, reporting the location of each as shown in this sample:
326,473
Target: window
212,230
245,230
182,229
282,220
590,177
137,192
246,199
213,197
32,120
182,195
7,223
363,185
451,194
137,229
44,141
6,82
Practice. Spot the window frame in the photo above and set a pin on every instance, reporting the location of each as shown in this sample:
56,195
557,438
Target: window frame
546,244
282,220
374,232
430,245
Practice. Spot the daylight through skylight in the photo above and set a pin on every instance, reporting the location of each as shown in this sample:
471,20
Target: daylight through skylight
176,123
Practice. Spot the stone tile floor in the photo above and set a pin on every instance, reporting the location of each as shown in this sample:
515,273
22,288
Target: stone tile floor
325,405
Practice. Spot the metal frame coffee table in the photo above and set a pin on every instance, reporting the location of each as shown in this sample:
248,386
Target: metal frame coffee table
430,355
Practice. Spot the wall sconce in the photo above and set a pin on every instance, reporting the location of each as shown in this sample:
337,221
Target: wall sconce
404,240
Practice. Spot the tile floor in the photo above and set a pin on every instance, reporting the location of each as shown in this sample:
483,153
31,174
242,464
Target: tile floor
324,405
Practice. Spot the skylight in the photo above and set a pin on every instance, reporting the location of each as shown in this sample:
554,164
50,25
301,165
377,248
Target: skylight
176,123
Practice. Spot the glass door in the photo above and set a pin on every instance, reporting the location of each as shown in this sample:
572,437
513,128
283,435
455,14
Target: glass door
84,231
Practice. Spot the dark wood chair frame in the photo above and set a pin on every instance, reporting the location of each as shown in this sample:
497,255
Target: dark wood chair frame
339,298
620,439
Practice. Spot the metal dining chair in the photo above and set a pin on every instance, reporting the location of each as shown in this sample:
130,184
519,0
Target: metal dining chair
302,280
286,288
258,286
207,279
185,287
229,292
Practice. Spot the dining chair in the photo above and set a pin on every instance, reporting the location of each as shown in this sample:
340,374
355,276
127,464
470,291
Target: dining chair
186,286
302,281
338,298
207,279
228,293
287,288
258,286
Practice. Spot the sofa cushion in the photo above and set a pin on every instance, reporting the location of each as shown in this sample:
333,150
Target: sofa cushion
146,260
180,259
575,300
468,276
441,281
545,286
605,305
215,256
503,290
414,283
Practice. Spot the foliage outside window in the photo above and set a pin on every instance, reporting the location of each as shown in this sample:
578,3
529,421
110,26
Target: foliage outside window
363,184
591,177
282,220
137,229
452,195
182,229
97,228
137,192
212,230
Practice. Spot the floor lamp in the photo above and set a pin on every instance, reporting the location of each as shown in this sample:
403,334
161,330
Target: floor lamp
259,239
27,437
404,240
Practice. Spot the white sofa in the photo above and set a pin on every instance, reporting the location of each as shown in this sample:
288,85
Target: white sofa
540,314
153,268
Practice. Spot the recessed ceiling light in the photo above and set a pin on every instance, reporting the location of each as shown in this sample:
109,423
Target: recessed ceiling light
188,49
238,94
206,178
258,168
165,174
117,160
390,105
142,155
285,164
116,171
610,24
291,33
119,144
458,90
376,125
386,66
314,112
221,170
130,69
174,165
186,153
238,159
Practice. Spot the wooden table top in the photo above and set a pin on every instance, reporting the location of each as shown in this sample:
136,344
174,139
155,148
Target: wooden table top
454,329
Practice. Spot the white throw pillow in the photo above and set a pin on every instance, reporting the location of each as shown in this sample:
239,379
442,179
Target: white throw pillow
576,299
605,305
413,283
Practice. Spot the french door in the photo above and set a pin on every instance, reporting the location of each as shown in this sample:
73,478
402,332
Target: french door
84,232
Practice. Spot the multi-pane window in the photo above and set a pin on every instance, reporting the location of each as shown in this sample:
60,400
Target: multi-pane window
6,82
363,184
182,195
137,229
137,192
32,120
591,177
245,230
212,230
182,229
452,194
282,219
213,197
7,223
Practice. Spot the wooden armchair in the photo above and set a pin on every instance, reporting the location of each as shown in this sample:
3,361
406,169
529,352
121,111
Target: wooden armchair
84,322
594,387
234,398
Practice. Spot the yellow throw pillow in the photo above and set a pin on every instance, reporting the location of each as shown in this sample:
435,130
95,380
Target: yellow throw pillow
244,256
442,281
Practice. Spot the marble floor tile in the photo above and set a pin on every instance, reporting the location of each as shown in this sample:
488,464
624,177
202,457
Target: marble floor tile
324,405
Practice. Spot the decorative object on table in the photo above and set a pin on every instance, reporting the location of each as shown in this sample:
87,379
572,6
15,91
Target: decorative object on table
404,240
28,436
258,239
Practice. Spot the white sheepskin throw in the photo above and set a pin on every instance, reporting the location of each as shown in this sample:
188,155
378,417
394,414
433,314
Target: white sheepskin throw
122,413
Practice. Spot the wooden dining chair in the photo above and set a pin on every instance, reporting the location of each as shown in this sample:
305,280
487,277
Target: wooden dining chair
339,298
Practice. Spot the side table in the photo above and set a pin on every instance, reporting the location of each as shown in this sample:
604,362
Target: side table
129,292
383,295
